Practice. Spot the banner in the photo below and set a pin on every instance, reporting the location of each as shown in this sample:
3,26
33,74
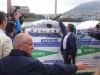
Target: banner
88,39
47,36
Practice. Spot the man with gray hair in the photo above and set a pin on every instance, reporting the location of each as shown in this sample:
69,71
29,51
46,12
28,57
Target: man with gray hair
20,62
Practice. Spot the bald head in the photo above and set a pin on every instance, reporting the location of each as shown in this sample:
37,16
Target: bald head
20,39
23,42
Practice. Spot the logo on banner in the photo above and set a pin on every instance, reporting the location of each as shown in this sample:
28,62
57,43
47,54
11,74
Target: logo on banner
41,53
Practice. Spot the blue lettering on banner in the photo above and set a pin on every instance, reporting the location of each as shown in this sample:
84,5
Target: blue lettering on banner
88,42
47,44
49,40
53,61
84,39
97,57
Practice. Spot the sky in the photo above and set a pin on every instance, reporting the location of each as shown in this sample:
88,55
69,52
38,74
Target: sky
44,6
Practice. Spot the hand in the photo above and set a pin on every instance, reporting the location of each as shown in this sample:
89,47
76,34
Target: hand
58,19
16,16
22,18
69,56
82,66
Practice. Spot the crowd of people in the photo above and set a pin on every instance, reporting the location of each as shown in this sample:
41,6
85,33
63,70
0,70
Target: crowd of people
16,47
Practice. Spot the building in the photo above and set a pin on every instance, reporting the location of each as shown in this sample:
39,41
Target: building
8,6
23,9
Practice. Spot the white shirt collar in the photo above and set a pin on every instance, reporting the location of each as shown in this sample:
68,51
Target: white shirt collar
69,33
2,31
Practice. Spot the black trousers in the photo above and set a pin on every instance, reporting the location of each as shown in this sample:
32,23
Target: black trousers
66,59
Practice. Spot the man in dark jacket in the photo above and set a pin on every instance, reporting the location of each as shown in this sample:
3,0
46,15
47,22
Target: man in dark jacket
68,43
10,30
20,62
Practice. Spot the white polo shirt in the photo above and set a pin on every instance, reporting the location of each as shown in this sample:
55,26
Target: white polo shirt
65,40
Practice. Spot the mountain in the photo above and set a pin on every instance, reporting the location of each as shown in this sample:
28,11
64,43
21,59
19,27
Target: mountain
85,7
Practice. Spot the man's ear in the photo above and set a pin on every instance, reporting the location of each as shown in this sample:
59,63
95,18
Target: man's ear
3,22
19,46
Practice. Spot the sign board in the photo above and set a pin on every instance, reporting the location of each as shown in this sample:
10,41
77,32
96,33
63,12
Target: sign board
88,39
47,36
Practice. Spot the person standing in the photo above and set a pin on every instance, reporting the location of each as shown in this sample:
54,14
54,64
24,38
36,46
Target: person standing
5,42
68,44
20,62
10,30
18,28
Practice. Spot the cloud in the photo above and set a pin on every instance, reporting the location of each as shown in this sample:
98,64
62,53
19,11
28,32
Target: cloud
74,2
3,5
44,6
37,6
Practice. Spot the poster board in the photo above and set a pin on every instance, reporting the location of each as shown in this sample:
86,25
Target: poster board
88,39
47,36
